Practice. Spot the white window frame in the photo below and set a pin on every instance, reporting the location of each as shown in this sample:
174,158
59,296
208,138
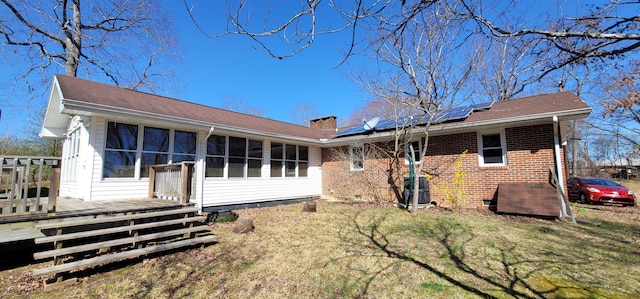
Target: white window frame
352,157
139,146
247,157
503,147
224,157
418,152
71,154
284,159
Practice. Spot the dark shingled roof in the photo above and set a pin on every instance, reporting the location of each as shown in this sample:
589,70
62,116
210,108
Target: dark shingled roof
81,90
516,110
539,104
107,96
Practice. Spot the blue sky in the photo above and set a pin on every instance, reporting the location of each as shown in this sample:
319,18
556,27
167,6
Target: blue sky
230,67
213,70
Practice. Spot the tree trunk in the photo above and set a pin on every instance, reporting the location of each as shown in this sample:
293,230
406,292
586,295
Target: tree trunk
416,181
73,42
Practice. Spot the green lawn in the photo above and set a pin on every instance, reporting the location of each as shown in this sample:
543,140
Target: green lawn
369,251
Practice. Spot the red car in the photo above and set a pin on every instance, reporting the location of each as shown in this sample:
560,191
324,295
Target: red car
597,190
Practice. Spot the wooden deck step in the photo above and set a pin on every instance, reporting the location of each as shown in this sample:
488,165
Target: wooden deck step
123,255
118,242
80,222
118,229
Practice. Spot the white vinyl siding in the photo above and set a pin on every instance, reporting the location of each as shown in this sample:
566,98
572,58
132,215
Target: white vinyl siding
227,192
76,171
213,190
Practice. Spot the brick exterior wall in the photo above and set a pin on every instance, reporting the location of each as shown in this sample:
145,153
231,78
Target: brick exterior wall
529,158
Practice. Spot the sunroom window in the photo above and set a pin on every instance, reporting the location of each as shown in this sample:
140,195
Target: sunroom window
184,147
120,153
289,160
216,152
243,156
155,148
126,144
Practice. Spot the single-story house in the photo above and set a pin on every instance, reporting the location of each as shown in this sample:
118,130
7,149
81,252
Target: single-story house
112,135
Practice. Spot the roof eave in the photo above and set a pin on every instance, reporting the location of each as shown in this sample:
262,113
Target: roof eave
54,123
521,120
73,107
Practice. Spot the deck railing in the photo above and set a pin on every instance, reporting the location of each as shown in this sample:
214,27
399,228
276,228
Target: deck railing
171,181
24,184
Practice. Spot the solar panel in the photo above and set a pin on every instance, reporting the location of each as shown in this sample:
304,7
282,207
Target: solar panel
385,124
481,106
352,131
452,114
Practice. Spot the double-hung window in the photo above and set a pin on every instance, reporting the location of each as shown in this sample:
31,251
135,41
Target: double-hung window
277,159
184,146
303,160
155,148
290,155
216,152
417,151
254,158
492,148
356,158
237,156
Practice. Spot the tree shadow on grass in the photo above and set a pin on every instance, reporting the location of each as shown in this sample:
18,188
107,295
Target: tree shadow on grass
507,269
178,274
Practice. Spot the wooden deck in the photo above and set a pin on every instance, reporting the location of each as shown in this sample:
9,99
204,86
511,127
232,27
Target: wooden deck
21,226
81,235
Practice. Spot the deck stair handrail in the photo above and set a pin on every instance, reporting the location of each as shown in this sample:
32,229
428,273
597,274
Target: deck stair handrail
16,179
171,181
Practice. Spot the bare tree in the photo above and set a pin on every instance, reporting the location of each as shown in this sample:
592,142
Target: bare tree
362,182
621,108
239,105
421,68
303,113
608,29
508,65
124,41
382,108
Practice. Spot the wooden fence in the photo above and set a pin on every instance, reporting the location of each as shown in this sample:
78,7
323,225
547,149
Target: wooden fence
26,181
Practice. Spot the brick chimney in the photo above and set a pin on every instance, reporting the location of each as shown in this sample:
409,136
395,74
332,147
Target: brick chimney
324,123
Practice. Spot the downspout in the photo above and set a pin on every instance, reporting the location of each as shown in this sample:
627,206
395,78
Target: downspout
558,160
203,170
